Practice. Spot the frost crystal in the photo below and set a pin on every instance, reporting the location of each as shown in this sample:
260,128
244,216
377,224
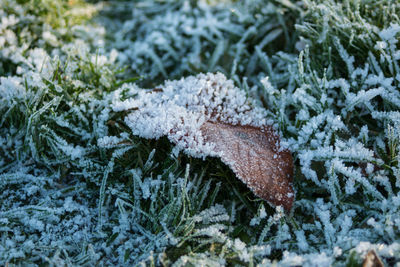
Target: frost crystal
77,189
178,109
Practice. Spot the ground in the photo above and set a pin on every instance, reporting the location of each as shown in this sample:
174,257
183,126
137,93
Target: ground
83,184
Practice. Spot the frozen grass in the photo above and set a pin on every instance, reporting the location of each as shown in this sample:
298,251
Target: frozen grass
78,187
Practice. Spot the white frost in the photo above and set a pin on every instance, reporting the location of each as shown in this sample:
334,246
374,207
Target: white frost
179,108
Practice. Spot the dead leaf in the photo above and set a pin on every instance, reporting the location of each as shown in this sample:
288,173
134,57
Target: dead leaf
372,260
255,156
206,115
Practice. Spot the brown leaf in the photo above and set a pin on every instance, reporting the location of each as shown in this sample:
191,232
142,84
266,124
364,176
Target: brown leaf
255,156
206,115
372,260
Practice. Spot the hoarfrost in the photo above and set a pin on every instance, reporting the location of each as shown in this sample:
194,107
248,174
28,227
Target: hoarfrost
178,109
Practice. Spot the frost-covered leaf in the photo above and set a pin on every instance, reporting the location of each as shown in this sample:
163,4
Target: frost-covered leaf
207,115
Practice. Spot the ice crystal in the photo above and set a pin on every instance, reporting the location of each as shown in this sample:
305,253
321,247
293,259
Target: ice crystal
79,187
178,109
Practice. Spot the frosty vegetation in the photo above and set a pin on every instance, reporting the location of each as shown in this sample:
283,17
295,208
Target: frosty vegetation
80,187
